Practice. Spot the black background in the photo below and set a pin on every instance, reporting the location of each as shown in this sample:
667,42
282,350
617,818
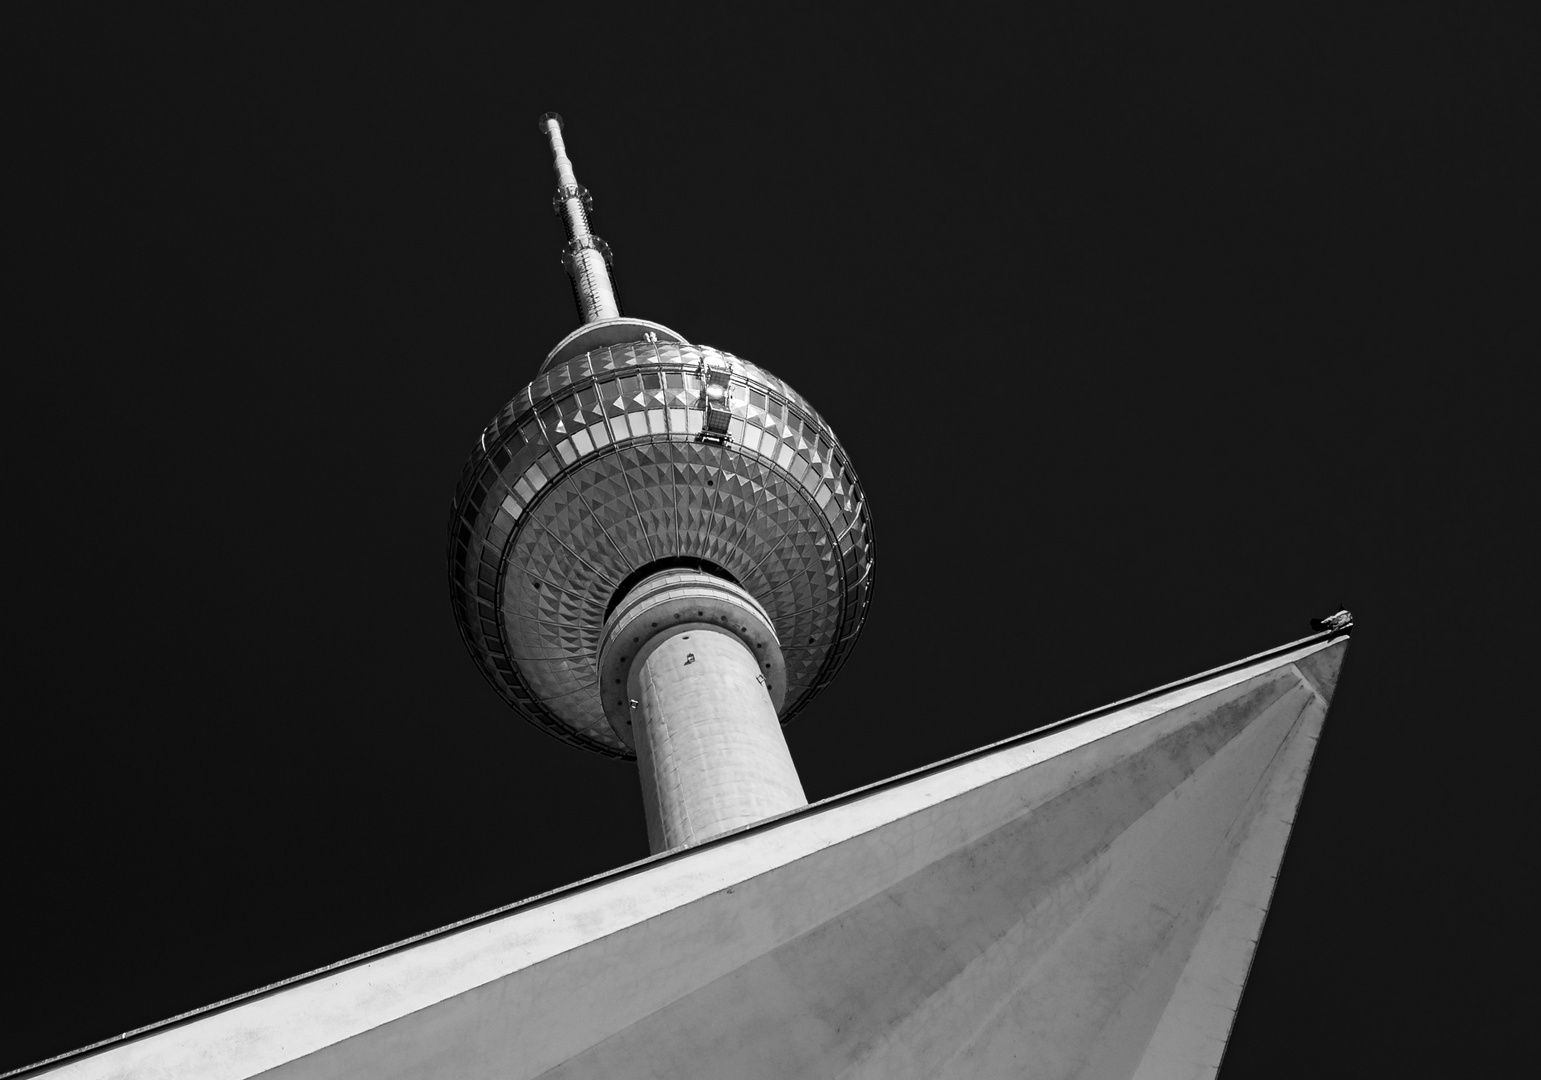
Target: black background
1151,334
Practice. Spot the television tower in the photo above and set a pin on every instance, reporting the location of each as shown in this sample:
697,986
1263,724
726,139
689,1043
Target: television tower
659,551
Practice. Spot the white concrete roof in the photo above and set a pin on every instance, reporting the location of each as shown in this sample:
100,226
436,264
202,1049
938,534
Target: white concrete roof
1081,903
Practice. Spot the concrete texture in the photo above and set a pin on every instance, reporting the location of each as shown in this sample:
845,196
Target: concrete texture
710,751
692,675
1081,903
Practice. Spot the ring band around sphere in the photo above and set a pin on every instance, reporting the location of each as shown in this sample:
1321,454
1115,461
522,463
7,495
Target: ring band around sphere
675,601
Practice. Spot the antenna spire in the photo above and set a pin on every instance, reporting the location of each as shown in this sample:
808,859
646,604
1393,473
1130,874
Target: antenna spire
586,258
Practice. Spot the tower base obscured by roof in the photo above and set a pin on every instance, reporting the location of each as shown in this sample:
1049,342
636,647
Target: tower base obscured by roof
1079,902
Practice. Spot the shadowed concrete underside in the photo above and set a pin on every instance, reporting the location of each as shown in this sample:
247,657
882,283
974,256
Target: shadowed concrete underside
1083,904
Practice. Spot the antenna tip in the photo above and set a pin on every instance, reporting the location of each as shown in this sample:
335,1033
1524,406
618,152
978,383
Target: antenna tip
547,119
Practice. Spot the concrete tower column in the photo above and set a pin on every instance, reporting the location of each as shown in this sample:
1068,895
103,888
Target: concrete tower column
692,674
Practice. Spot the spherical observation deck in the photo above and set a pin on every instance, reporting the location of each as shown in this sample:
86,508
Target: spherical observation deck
631,458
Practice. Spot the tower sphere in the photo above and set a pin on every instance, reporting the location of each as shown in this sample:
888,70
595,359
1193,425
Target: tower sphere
635,452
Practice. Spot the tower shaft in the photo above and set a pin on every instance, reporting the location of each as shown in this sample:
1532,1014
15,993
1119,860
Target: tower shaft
710,749
700,665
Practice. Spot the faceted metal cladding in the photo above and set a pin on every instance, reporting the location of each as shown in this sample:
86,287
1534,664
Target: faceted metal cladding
598,469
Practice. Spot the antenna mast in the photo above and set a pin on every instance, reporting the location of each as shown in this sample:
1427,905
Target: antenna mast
586,258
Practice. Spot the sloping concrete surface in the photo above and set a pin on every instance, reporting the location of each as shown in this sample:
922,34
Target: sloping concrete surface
1081,904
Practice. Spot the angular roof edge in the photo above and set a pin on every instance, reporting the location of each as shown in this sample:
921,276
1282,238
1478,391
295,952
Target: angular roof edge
1303,649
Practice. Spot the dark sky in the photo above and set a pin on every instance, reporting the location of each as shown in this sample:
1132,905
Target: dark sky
1138,329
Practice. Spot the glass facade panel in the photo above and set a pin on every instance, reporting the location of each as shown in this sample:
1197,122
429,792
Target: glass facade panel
752,436
551,421
612,398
